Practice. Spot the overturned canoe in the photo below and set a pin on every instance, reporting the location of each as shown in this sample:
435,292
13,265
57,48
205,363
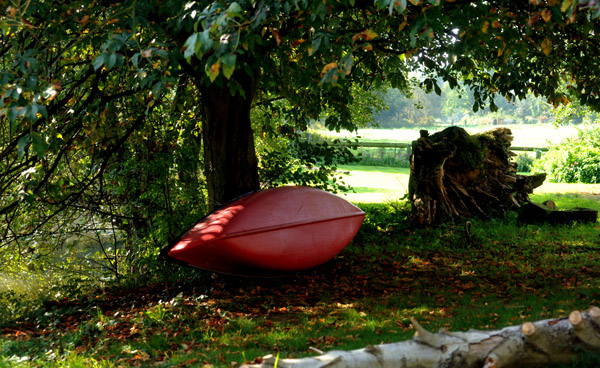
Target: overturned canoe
270,231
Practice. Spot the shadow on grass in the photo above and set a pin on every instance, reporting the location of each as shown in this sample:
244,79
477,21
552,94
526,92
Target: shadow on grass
505,275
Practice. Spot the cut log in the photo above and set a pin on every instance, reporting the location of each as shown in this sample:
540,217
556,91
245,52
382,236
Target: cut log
455,175
539,213
533,344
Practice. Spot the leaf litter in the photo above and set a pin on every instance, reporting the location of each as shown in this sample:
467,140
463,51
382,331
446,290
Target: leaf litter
359,297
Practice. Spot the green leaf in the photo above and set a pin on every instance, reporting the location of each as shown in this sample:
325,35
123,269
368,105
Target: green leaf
414,32
156,89
346,63
162,53
402,5
13,113
234,9
39,145
31,112
112,59
213,69
120,60
493,107
135,60
566,4
31,82
190,46
204,43
228,65
100,60
315,46
260,17
22,144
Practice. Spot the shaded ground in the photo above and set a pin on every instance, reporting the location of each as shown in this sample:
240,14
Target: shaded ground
499,275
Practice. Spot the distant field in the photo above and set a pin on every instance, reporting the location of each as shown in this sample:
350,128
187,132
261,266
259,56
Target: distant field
375,184
380,184
525,135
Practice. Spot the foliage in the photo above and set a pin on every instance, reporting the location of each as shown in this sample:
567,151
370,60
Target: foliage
13,307
294,160
98,144
574,113
287,155
575,160
524,162
416,108
384,157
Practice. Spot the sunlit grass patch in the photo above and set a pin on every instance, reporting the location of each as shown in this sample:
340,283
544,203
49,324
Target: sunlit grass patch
375,184
588,196
380,184
525,135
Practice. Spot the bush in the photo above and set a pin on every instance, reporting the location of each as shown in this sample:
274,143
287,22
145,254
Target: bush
524,162
575,160
384,157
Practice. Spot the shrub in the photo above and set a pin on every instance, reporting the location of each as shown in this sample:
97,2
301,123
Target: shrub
524,162
384,157
575,160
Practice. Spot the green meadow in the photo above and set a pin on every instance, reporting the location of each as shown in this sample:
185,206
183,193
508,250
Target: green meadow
525,135
381,184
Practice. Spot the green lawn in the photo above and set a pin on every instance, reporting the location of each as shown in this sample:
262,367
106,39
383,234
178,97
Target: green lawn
381,184
525,135
375,184
501,275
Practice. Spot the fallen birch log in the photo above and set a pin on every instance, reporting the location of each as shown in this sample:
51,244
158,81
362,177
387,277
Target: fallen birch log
533,344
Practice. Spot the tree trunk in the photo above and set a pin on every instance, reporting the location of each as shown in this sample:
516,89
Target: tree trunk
543,343
455,175
230,160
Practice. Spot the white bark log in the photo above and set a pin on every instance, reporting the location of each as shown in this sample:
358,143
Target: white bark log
533,344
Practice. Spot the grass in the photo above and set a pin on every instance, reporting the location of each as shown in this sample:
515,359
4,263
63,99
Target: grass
365,296
375,184
525,135
503,275
381,184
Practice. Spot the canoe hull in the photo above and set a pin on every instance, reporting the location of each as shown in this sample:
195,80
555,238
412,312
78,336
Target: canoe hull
277,230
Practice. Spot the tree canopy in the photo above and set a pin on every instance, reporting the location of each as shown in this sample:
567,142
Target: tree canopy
109,108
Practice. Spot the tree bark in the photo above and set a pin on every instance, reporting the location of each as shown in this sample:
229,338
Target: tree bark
542,343
230,162
455,175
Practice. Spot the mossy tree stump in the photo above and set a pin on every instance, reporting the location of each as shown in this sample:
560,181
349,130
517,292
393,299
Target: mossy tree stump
455,175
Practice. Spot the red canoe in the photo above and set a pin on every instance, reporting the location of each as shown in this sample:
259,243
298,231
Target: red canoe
270,231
